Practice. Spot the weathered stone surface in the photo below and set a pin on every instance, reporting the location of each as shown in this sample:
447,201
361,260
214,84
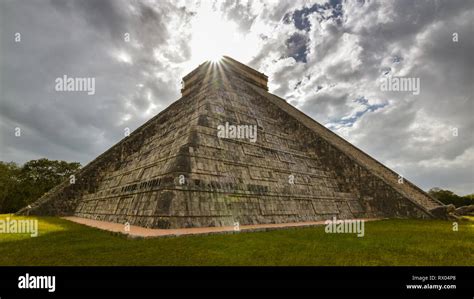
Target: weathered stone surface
443,212
465,210
174,171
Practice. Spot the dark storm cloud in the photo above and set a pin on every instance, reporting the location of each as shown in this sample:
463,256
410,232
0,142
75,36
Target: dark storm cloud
79,39
107,16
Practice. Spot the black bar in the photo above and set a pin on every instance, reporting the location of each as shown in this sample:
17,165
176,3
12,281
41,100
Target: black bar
192,282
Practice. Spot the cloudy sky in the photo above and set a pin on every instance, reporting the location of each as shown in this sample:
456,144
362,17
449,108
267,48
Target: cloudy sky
325,58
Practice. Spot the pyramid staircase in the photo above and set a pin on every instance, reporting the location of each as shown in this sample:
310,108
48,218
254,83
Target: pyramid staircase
175,171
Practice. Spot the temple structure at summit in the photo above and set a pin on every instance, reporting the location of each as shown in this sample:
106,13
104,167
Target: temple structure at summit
177,171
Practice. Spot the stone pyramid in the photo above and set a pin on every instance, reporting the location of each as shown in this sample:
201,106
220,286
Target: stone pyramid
197,164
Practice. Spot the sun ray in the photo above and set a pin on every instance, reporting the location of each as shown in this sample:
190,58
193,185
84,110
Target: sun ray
212,36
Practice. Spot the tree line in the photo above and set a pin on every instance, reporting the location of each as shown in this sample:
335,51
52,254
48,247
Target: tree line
22,185
449,197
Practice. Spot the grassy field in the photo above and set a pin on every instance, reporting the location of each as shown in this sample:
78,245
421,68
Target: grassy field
386,242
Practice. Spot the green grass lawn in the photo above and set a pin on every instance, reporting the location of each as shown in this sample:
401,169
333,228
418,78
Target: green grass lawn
386,242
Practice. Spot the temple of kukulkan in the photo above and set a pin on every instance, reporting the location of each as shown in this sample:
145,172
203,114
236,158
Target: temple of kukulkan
195,164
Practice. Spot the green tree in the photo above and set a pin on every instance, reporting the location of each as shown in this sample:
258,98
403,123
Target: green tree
449,197
26,184
9,182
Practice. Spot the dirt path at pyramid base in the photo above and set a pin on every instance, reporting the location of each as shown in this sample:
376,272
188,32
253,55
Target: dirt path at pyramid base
142,232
